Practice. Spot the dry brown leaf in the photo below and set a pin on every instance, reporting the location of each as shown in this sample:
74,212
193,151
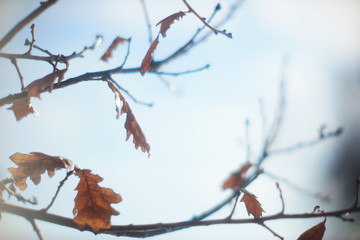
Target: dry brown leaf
253,206
236,179
22,108
93,203
146,62
36,87
33,165
131,125
314,233
112,47
166,22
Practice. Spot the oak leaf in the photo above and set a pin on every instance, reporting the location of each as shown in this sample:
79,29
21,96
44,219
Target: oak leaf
146,62
166,22
237,178
112,47
22,108
253,206
314,233
93,203
33,165
38,86
131,125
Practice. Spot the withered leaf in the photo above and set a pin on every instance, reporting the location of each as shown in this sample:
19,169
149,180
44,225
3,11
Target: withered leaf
314,233
93,203
112,47
166,22
33,165
146,62
236,179
131,125
36,87
22,108
253,206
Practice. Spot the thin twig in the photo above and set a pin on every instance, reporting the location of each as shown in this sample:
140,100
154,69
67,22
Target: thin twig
127,53
129,94
295,186
97,42
235,204
147,19
13,61
248,144
18,196
32,43
35,227
309,143
263,119
270,230
43,6
229,35
281,198
68,174
356,203
181,73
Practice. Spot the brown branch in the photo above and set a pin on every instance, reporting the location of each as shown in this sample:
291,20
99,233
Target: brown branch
160,228
35,227
229,35
62,182
43,6
13,61
270,230
32,43
281,198
147,19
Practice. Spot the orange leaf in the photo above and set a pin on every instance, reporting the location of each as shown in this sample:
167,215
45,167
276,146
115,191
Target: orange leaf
131,125
253,206
166,22
236,179
36,87
33,165
22,108
146,62
93,203
314,233
113,46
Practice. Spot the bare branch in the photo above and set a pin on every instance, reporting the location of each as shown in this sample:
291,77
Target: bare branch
35,227
281,198
229,35
43,6
295,186
62,182
272,231
13,61
181,73
147,19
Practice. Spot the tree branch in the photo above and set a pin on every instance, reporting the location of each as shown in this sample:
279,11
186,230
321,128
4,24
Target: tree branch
43,6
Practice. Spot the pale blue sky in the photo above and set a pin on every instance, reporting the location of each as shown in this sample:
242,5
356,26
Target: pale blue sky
195,136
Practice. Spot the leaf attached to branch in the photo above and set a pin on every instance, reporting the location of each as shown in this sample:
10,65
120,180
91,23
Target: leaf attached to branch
253,206
146,62
115,43
314,233
33,165
237,178
166,22
93,203
131,125
22,108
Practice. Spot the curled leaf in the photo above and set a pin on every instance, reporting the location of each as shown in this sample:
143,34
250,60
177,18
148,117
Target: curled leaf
36,87
166,22
115,43
131,125
314,233
33,165
237,178
22,108
93,203
146,62
253,206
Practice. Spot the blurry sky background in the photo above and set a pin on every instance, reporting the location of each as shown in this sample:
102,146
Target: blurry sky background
197,132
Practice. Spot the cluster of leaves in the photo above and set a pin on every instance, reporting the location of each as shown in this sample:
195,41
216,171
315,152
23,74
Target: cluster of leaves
92,202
